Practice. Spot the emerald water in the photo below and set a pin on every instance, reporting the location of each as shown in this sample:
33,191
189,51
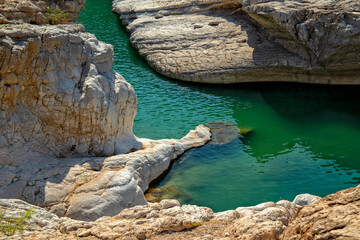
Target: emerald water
305,138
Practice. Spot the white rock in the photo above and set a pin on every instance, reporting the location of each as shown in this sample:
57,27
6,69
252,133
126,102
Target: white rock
305,199
169,203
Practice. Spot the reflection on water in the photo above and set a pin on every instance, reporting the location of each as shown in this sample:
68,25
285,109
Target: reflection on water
304,138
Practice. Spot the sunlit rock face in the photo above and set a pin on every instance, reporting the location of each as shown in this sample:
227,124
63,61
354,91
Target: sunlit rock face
234,41
60,96
35,11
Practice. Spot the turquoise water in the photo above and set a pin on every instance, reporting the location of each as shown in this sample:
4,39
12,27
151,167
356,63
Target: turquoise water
305,138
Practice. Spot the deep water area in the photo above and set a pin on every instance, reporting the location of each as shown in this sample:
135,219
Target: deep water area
303,139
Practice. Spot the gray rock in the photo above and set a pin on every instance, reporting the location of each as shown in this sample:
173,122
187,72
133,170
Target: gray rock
73,86
33,11
64,110
305,199
40,220
218,41
169,203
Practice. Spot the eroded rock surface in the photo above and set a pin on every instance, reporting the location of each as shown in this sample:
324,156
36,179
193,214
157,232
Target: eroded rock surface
60,96
334,217
63,111
92,187
230,41
35,11
169,220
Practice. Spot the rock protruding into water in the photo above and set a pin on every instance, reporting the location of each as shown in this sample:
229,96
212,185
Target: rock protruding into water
60,96
63,111
334,217
92,187
225,132
232,41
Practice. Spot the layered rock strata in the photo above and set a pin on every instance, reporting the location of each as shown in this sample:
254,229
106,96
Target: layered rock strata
91,187
37,11
307,217
166,220
231,41
334,217
60,96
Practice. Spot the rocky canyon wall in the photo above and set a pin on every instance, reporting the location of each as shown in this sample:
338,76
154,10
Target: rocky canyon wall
235,41
66,117
60,96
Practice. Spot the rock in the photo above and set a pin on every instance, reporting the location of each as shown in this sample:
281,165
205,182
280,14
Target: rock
306,199
64,110
165,220
227,216
222,41
166,192
225,132
40,219
64,83
36,11
263,221
334,217
169,203
89,188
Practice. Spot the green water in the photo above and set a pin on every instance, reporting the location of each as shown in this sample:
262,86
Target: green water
305,137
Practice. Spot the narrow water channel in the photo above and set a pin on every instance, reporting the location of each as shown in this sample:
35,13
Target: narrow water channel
304,138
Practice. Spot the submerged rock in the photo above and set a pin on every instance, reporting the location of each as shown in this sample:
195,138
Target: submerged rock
232,41
166,192
225,132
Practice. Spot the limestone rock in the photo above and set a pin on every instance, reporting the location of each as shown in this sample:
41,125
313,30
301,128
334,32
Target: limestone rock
63,110
35,11
230,41
306,199
167,221
40,220
264,221
60,96
89,188
334,217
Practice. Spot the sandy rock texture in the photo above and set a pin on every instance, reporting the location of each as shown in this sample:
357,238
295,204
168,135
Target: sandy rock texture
169,220
334,217
231,41
60,96
35,11
91,187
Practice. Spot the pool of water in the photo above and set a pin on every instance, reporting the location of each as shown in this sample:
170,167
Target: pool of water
305,138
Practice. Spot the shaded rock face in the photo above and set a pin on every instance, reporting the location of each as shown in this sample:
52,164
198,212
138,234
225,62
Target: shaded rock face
334,217
231,41
35,11
325,33
60,96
